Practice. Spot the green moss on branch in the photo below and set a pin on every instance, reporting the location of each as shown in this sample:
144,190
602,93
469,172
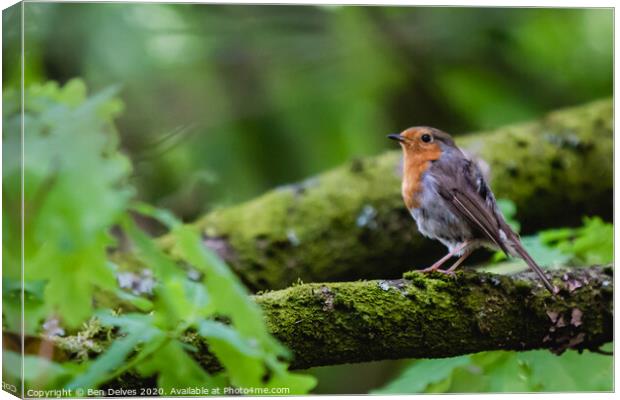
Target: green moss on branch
440,316
343,224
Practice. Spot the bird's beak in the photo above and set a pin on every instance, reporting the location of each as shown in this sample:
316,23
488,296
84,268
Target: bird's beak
397,137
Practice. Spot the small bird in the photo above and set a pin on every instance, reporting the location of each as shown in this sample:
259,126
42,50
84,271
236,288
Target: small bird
449,199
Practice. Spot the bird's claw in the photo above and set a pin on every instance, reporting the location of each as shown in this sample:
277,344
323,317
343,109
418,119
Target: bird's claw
442,271
447,272
431,269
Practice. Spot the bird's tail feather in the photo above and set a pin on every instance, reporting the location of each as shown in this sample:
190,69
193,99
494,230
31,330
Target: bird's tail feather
532,264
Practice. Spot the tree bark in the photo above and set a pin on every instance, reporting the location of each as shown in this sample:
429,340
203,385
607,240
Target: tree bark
350,223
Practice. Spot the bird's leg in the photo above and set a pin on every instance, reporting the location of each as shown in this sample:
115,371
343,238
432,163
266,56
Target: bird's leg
445,258
458,262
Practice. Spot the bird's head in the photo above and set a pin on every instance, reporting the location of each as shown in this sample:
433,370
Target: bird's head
423,142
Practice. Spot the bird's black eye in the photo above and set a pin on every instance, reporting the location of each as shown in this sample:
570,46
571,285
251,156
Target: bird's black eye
426,138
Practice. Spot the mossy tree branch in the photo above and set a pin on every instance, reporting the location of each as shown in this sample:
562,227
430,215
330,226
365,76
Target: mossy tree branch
440,316
344,223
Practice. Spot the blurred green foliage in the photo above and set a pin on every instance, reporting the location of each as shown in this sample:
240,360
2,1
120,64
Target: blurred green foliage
502,371
244,348
76,190
227,101
592,243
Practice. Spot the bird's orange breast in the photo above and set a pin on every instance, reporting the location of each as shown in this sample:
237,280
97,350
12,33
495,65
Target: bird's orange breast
414,167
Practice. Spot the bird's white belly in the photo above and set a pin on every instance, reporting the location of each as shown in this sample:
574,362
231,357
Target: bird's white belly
435,220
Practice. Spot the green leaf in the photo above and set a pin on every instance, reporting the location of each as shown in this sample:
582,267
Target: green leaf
147,250
594,242
175,305
465,379
242,359
34,307
175,368
509,210
34,367
590,244
39,372
73,93
140,303
138,330
422,373
163,216
114,357
570,372
546,256
228,294
296,383
127,322
504,371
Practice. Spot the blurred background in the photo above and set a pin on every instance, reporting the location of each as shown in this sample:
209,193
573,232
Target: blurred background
225,102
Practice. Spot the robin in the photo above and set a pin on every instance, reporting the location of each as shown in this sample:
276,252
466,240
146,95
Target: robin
449,199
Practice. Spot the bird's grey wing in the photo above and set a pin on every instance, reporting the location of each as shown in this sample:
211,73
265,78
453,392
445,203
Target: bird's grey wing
462,185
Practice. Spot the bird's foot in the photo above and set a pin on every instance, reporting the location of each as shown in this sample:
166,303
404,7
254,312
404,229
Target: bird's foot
429,270
447,272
